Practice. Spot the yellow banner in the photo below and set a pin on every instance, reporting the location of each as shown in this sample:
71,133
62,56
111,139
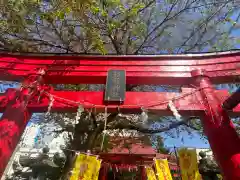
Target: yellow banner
188,164
150,173
86,168
163,171
97,169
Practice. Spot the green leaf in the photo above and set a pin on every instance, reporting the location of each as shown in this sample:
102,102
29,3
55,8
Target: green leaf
104,13
238,41
136,8
68,10
170,1
113,25
233,22
29,21
95,10
61,15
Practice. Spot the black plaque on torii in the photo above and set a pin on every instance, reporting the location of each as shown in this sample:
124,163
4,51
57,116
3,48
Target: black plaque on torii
115,86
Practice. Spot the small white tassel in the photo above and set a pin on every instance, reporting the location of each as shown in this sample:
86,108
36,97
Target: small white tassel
79,112
80,109
119,113
144,116
174,111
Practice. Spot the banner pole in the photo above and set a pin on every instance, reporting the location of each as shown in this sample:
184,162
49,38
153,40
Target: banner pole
178,164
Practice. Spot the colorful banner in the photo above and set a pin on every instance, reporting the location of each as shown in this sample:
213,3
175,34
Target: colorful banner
188,164
150,173
86,168
163,171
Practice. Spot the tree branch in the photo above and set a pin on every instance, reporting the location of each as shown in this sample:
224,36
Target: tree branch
208,19
160,33
93,137
166,19
131,126
42,42
93,116
148,5
191,126
115,45
232,27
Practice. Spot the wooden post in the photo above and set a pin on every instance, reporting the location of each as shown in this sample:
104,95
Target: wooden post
232,101
143,173
219,129
103,172
16,116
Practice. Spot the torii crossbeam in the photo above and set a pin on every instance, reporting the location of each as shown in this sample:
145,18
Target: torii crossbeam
195,72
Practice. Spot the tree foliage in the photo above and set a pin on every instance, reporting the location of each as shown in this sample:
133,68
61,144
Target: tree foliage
117,27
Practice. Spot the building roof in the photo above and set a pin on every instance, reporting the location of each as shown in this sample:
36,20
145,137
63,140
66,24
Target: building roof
133,149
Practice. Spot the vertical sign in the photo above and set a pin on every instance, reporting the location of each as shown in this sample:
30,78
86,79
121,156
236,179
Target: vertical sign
188,164
115,86
150,173
163,171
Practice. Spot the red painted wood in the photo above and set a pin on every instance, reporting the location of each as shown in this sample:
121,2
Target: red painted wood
134,68
172,70
14,120
103,172
133,102
187,105
143,173
222,136
118,62
140,78
232,101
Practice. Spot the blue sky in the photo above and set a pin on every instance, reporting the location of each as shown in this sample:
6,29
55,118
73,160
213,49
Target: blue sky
186,141
236,32
195,140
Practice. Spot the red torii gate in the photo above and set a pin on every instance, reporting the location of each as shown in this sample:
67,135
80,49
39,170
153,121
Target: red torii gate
195,73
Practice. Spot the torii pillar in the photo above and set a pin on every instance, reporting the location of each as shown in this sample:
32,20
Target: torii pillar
16,116
219,129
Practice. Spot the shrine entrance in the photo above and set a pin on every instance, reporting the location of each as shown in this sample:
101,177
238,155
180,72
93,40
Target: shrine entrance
125,165
124,175
196,73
